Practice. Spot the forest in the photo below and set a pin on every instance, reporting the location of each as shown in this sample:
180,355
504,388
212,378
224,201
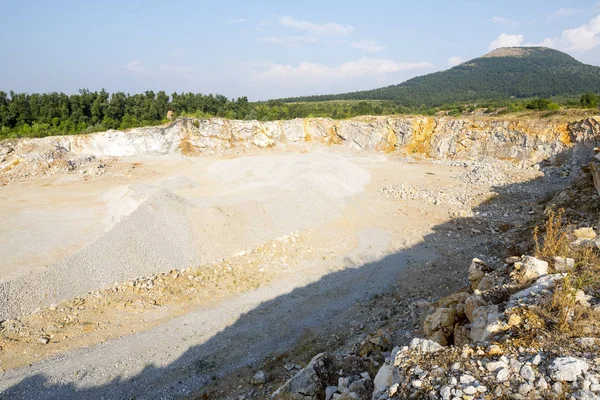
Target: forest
38,115
540,72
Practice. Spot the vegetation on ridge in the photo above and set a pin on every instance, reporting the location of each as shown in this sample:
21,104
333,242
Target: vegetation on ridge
521,73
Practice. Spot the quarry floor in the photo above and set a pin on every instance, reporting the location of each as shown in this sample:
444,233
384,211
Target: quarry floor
241,258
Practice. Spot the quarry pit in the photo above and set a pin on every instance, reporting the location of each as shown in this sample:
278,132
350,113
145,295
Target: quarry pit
151,262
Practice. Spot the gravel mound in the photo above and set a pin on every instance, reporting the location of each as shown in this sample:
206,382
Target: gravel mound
157,236
330,174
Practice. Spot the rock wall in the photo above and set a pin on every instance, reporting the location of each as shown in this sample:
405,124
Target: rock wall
527,142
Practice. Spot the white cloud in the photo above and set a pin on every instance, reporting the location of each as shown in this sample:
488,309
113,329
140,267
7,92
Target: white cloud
503,21
505,40
364,67
455,60
565,12
581,39
327,29
134,66
177,69
369,46
289,40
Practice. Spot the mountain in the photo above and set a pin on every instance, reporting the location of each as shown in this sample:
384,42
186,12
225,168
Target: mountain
519,72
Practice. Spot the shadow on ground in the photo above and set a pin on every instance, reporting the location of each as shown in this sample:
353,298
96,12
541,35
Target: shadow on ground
330,302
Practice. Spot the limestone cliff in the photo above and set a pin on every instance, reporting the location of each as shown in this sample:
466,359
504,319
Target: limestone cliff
526,142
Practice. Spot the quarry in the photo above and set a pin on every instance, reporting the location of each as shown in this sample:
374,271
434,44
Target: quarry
367,258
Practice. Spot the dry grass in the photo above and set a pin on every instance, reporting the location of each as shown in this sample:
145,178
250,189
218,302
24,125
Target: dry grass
585,276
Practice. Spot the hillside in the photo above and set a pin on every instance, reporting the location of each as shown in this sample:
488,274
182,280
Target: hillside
519,72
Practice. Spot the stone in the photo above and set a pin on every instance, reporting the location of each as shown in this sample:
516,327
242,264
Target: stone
259,379
584,233
383,379
417,383
477,271
441,318
544,283
486,322
496,365
470,390
567,369
306,382
393,390
486,283
563,264
530,268
541,383
585,395
557,388
524,388
330,391
44,340
527,373
537,359
425,346
446,393
503,375
466,379
471,303
582,299
343,383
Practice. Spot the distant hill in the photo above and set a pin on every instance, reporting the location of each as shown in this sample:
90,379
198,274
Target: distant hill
519,72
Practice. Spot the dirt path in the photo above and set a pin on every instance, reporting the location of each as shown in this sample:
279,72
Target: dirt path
368,244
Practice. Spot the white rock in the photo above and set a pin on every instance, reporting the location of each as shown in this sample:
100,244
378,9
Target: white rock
524,388
466,379
544,283
425,345
494,366
393,390
536,360
541,383
532,268
503,375
486,322
417,383
329,392
259,379
446,392
470,390
383,379
527,373
563,264
567,369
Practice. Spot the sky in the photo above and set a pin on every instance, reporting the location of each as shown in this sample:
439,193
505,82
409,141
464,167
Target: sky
270,49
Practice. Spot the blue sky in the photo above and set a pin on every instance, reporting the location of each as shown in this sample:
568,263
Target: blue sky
273,48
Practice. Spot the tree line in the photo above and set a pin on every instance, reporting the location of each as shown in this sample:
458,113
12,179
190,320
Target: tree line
38,115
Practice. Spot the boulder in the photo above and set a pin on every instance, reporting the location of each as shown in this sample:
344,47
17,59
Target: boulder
424,346
471,303
530,268
567,369
544,283
383,380
307,383
477,271
486,322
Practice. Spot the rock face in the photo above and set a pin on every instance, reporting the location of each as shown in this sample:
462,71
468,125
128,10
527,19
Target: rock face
527,142
567,369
